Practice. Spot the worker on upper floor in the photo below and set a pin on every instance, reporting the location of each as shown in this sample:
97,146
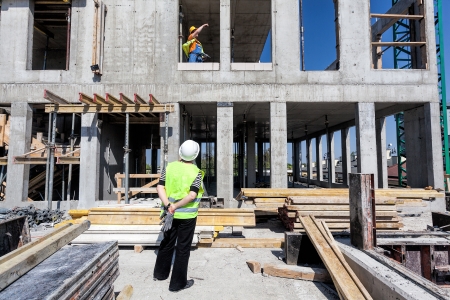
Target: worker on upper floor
193,48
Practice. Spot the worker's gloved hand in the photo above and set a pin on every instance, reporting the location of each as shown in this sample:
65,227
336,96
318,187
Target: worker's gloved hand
168,219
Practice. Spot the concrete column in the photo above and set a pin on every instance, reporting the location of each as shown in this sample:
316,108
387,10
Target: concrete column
296,162
225,152
319,169
154,161
332,171
366,139
260,161
433,142
89,160
416,149
251,167
361,223
278,145
346,159
309,159
225,35
19,143
381,153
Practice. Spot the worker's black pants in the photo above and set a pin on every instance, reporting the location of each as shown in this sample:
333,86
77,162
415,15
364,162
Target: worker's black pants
182,232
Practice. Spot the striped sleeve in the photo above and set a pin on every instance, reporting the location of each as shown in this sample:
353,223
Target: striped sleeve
195,186
162,178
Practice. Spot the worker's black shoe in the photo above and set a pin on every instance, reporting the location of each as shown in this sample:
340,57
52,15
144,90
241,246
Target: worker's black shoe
157,279
189,283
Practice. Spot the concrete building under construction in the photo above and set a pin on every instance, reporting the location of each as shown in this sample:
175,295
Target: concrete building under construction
123,60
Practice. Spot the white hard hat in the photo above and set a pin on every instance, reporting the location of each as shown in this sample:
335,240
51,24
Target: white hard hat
189,150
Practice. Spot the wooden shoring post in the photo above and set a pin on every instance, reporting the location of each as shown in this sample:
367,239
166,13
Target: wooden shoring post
125,99
110,99
55,99
138,99
86,99
361,211
99,100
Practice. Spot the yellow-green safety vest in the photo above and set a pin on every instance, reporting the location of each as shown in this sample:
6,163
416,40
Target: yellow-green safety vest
179,178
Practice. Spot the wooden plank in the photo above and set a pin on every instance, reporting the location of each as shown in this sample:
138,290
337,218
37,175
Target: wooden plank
3,119
111,109
381,225
396,16
120,175
297,272
327,207
342,213
342,280
335,200
248,243
12,265
125,293
270,200
254,266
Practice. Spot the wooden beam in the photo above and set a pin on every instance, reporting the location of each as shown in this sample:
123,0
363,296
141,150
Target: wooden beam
125,99
83,98
398,44
397,16
16,263
153,100
382,25
297,272
125,293
55,99
113,100
68,160
111,109
100,100
138,99
248,243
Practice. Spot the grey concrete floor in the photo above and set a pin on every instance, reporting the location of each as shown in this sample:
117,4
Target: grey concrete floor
218,274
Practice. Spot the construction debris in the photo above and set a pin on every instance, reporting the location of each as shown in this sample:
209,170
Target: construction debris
297,272
35,216
254,266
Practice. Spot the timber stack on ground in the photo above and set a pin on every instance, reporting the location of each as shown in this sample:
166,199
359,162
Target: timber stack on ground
336,212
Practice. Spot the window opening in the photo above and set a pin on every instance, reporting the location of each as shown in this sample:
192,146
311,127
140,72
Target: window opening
193,13
319,30
251,24
51,37
398,34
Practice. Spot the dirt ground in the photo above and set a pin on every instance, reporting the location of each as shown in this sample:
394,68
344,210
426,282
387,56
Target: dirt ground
218,274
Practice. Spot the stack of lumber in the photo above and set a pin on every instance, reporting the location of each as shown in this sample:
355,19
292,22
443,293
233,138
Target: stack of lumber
139,225
336,212
73,272
345,280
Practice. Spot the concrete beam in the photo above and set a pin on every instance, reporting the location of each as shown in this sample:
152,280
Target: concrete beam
278,145
319,167
433,142
251,166
366,139
346,159
19,144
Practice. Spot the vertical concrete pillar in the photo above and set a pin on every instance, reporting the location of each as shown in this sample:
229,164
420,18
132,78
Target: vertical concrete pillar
309,160
433,142
260,161
225,34
251,167
361,223
19,144
296,162
225,151
346,159
319,169
154,161
366,139
89,160
278,145
381,153
415,143
332,171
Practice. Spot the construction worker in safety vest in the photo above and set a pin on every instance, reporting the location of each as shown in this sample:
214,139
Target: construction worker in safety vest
195,48
180,190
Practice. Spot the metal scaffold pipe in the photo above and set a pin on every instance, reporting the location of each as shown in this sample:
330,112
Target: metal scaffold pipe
127,158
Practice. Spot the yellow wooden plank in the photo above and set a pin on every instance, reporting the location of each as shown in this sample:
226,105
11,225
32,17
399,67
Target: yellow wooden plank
328,207
248,243
340,276
270,200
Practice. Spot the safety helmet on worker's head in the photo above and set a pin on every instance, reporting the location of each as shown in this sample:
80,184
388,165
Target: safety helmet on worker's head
189,150
192,29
